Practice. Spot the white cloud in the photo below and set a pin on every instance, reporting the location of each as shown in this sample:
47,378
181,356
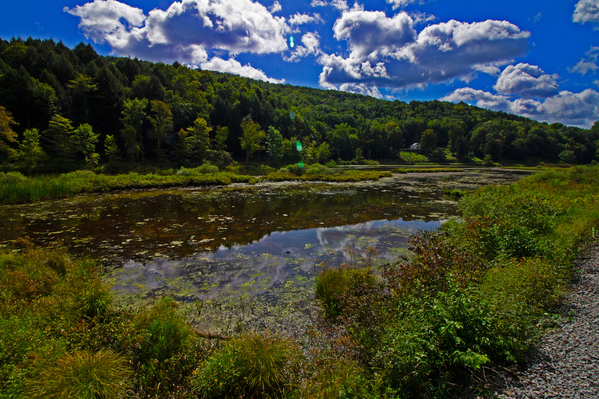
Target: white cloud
439,53
300,19
403,3
578,109
586,11
372,34
526,81
361,88
276,7
338,4
588,63
108,21
311,46
236,26
233,66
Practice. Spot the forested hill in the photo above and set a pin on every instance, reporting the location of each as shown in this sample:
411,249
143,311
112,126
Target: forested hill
82,107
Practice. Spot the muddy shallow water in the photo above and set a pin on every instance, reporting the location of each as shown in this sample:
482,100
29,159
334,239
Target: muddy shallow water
251,249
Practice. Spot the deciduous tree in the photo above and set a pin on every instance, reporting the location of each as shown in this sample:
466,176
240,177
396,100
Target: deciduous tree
252,134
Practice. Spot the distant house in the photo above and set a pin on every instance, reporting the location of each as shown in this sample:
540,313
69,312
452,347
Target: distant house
415,146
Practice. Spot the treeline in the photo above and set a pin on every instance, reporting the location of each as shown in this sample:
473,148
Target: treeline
73,107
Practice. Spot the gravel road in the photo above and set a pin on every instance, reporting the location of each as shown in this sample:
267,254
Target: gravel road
566,364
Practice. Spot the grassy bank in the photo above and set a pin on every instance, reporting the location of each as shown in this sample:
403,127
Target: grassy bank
477,295
17,188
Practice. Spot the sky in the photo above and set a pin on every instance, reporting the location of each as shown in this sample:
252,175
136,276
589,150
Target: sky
535,58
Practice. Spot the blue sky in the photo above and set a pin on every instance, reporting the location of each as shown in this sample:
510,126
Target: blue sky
535,58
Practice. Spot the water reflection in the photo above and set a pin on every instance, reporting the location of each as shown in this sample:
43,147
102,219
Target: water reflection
271,261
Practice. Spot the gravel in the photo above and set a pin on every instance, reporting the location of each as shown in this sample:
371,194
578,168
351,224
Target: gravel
566,363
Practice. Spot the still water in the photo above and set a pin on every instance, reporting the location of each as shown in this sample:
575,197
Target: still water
260,241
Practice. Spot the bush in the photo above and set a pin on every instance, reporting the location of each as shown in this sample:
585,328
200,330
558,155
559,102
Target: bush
206,168
83,375
435,343
12,177
332,284
254,365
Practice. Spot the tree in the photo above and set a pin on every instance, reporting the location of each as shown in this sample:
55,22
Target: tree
7,135
82,85
252,134
30,150
274,144
428,141
199,139
85,142
162,121
111,149
220,141
60,138
133,116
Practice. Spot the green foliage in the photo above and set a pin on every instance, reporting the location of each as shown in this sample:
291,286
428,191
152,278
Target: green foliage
437,341
133,116
111,149
274,144
252,135
253,365
162,121
428,141
83,375
332,283
30,150
60,138
220,140
205,168
85,143
198,140
7,135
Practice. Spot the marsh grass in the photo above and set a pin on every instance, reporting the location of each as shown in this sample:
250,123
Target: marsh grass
253,365
16,188
83,375
426,170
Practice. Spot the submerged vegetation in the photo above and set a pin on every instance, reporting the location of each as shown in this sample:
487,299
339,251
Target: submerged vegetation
477,295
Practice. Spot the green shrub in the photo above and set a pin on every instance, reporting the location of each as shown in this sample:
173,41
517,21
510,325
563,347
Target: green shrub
12,177
254,365
159,332
435,343
333,283
83,375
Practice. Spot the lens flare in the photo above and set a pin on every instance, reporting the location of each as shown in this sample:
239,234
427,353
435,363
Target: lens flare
291,44
301,165
299,146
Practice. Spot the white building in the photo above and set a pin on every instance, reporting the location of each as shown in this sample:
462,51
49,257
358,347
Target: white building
415,146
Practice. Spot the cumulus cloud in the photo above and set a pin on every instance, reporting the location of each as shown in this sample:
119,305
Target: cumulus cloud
233,66
438,53
338,4
361,88
526,81
402,3
300,19
588,63
184,29
578,109
372,34
587,11
311,46
276,7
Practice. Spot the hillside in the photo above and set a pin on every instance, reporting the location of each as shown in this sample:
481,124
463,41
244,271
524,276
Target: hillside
88,108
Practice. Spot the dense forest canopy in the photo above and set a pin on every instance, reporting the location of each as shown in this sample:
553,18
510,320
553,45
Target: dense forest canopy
75,106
